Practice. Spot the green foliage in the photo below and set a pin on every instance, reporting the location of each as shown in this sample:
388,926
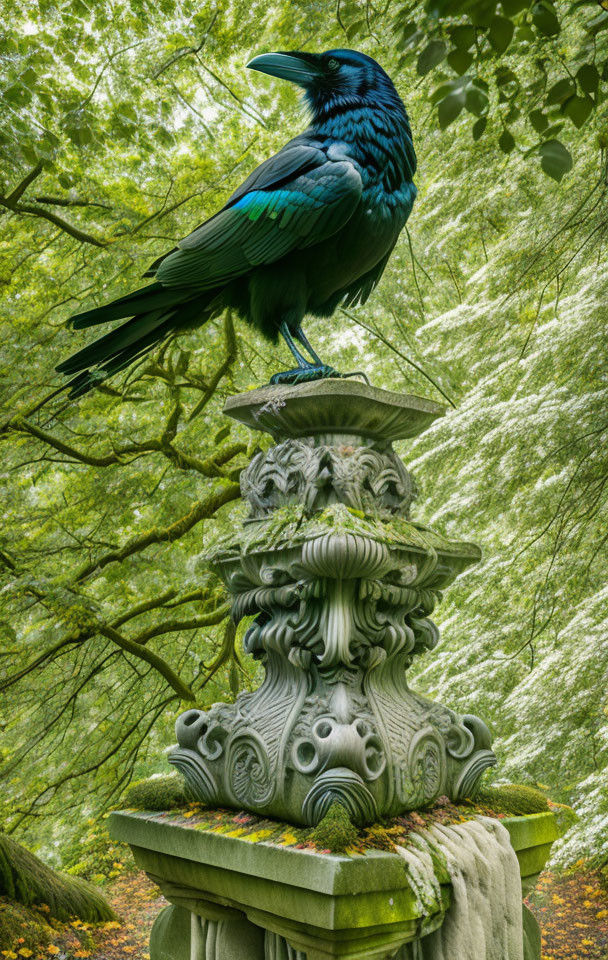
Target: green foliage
92,854
26,879
335,831
565,816
22,925
513,799
157,793
532,68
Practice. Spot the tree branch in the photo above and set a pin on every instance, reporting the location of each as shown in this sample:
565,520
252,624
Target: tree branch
68,202
208,468
22,187
201,510
222,370
130,646
185,51
79,235
174,626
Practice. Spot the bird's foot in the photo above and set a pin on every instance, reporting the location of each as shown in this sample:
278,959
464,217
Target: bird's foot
319,371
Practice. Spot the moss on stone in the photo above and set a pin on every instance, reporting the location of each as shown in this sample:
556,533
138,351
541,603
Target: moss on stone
254,828
27,880
513,800
335,831
291,525
157,793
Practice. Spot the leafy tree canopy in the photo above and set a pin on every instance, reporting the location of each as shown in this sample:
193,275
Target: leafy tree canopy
126,125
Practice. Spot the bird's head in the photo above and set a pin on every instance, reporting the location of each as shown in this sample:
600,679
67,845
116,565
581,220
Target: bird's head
333,80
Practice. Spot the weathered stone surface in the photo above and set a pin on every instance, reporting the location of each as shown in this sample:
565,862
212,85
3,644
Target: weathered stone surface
334,406
341,584
323,905
532,935
532,838
326,906
170,936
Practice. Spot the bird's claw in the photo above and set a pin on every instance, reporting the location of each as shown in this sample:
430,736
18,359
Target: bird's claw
319,371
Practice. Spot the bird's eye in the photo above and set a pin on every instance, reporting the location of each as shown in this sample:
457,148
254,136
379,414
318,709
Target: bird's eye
332,64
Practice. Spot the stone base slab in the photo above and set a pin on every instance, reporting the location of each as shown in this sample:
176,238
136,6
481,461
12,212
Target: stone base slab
280,903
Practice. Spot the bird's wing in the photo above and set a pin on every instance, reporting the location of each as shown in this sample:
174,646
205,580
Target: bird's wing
264,221
296,157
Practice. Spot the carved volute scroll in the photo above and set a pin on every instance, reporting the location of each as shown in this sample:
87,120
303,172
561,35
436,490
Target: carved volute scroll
340,584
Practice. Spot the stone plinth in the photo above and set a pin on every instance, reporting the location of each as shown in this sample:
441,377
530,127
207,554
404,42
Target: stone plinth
340,582
236,899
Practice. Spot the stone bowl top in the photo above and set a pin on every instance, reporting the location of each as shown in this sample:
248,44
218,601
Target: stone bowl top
333,406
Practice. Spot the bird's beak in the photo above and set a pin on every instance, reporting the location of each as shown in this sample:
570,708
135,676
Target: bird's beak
300,68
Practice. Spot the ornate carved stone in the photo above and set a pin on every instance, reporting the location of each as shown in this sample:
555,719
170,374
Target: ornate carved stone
367,477
340,585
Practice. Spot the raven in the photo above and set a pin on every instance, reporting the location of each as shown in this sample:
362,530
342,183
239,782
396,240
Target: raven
311,228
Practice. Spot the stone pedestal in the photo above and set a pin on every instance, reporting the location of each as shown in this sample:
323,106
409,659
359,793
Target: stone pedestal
341,583
236,899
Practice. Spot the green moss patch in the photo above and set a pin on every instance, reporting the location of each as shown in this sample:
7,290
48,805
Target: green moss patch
335,832
512,800
27,880
157,793
291,524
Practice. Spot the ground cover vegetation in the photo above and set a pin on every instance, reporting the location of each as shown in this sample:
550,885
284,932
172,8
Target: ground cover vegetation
125,126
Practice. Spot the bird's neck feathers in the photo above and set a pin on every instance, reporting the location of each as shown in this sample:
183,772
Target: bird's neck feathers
376,116
326,104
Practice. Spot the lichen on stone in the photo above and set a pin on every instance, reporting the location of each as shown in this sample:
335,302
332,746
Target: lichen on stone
291,524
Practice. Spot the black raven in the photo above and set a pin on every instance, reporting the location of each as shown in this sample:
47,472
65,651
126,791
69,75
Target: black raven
311,228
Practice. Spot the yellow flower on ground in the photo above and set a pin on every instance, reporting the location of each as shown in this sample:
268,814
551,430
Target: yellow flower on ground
52,949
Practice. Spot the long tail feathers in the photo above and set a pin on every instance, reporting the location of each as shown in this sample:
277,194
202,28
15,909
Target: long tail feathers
159,311
152,297
88,379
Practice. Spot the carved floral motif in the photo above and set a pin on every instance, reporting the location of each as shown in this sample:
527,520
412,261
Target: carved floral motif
366,476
